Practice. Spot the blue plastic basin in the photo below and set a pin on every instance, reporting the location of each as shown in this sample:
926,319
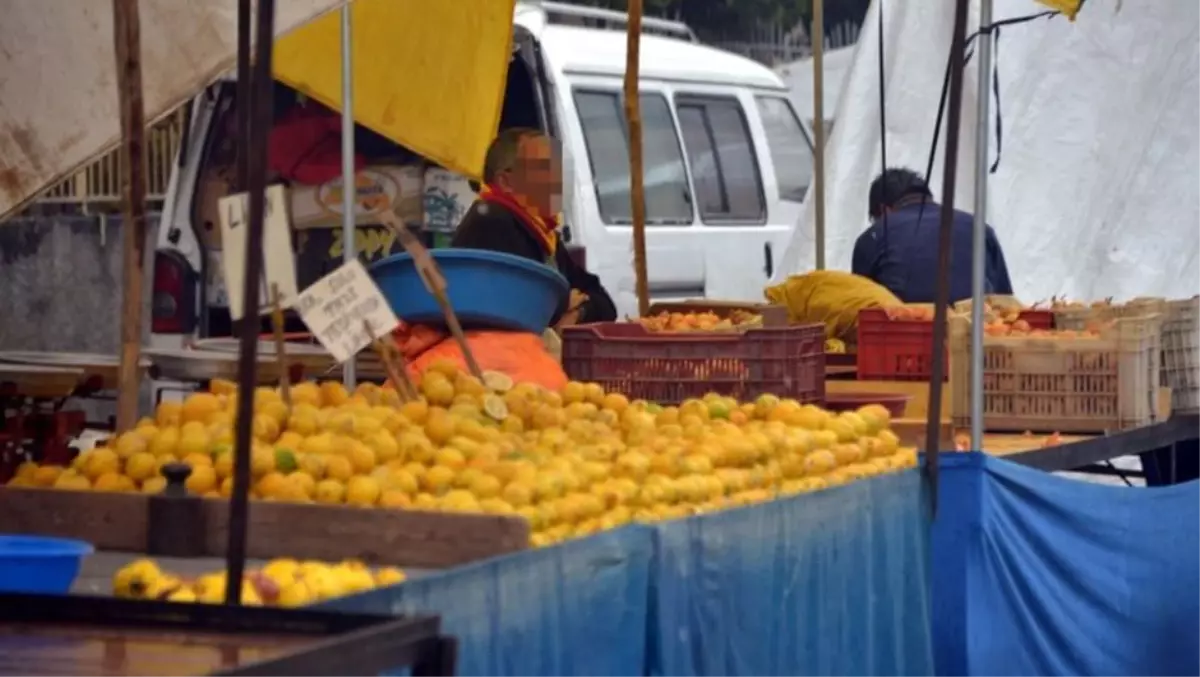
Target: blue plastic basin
486,289
37,564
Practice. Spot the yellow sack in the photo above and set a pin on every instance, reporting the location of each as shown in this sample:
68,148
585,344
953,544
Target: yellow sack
831,297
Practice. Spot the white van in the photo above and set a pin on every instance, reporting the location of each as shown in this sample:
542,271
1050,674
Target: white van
727,164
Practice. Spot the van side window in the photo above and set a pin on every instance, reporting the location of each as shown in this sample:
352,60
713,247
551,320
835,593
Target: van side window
791,152
602,117
721,155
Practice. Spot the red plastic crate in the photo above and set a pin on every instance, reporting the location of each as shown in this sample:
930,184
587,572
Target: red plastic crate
902,350
669,368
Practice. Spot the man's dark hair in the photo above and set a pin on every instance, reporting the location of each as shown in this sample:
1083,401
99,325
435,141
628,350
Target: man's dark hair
502,153
892,186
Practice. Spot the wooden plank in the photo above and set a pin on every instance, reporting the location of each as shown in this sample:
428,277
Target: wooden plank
911,432
374,535
109,521
918,405
1002,444
116,521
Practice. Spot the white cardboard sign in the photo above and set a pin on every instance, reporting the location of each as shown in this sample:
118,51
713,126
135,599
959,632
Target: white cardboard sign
339,307
279,263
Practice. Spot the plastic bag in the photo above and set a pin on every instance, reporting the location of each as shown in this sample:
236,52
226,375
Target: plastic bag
521,356
831,297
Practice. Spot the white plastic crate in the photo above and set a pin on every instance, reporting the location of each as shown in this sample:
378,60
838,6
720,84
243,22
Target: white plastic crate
1068,385
1181,354
1078,319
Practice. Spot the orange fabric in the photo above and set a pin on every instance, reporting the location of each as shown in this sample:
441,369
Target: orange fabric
541,229
519,355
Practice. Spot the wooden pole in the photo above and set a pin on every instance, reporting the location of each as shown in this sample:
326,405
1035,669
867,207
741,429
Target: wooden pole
818,45
285,385
942,292
262,87
127,40
637,189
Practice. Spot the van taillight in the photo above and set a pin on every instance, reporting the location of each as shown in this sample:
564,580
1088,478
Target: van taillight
174,306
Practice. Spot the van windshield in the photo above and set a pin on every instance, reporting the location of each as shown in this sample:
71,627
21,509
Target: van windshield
668,200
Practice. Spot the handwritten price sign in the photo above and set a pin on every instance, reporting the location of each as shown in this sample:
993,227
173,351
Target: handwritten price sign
340,307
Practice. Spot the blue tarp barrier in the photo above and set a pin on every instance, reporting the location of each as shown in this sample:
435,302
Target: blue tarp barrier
575,609
834,582
1037,574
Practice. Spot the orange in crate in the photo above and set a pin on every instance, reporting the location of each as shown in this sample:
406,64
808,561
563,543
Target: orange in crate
669,368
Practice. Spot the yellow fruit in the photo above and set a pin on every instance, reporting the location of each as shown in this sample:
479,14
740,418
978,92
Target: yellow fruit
389,576
223,463
194,460
100,461
297,593
329,491
165,442
304,483
262,460
333,394
362,491
46,475
110,481
72,481
362,458
338,468
202,480
394,498
437,479
169,414
450,457
438,391
130,443
199,407
141,466
154,485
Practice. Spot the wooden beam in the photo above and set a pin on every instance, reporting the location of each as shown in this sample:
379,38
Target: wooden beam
127,40
637,189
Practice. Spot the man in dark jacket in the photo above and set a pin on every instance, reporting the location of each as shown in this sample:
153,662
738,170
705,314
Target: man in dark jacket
517,213
901,252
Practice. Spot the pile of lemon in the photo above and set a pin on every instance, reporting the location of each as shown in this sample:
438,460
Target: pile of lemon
571,462
280,582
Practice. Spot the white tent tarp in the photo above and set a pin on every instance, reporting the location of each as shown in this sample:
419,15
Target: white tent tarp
1096,194
58,93
798,76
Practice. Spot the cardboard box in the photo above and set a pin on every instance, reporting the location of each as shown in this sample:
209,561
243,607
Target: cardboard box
394,187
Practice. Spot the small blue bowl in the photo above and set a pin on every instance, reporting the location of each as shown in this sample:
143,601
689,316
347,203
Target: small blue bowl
486,289
40,565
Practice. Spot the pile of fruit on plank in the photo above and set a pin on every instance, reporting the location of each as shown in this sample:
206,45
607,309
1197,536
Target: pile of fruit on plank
571,462
280,582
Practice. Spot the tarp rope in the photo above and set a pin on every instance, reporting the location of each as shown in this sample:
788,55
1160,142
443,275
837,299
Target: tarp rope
969,46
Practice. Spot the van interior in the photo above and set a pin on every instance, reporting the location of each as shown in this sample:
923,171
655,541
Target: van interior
217,176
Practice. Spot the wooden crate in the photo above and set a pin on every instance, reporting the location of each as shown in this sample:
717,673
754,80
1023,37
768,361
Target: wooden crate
113,521
1067,385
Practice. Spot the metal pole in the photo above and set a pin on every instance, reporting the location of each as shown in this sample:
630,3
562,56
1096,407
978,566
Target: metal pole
977,251
818,45
262,88
949,169
349,186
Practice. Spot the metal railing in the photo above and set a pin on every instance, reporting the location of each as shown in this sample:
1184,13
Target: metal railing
98,186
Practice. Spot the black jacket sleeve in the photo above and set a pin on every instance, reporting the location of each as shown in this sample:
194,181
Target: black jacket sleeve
599,307
996,269
865,255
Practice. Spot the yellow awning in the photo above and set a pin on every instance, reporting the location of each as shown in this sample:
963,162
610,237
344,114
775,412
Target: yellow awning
428,74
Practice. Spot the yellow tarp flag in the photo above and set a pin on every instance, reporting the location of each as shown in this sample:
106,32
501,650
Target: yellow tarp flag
1069,8
428,74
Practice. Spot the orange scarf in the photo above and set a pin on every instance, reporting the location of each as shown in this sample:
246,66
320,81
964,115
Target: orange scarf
542,230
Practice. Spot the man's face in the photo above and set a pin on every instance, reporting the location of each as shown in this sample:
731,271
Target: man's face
536,179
